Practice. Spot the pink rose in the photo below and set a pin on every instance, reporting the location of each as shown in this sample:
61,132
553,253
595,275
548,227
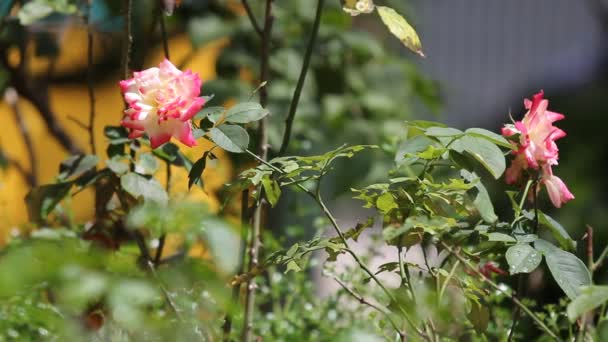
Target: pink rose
536,147
162,102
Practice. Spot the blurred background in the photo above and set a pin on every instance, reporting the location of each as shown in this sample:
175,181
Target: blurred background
483,59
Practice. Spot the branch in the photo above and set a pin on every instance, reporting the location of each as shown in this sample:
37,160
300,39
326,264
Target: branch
262,154
300,85
254,22
90,80
38,98
128,39
12,98
489,281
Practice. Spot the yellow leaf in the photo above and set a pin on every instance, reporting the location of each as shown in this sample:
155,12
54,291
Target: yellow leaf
401,29
356,7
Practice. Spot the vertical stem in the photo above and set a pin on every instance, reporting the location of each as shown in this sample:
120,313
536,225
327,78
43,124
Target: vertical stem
91,125
300,85
128,39
163,30
255,242
237,288
163,237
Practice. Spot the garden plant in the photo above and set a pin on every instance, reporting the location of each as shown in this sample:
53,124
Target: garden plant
306,108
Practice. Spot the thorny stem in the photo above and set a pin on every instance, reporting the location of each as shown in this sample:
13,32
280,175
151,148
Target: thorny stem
255,241
12,98
300,85
364,301
489,281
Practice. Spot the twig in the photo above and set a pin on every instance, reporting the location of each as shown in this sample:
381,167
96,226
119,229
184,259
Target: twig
489,281
255,242
364,301
300,85
254,22
91,126
12,98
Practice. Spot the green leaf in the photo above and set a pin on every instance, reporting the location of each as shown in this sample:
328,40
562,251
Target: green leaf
490,136
39,9
590,297
479,317
386,203
482,202
76,165
486,153
246,112
231,138
148,189
443,132
501,237
401,29
569,272
196,172
147,164
272,190
407,150
557,230
214,114
118,165
522,258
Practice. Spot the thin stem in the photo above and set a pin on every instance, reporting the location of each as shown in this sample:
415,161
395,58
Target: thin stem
590,249
236,289
600,259
255,241
163,31
523,200
364,301
128,39
12,98
300,85
319,199
489,281
254,22
447,280
90,80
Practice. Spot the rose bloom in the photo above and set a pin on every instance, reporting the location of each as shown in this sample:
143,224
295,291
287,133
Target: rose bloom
537,148
162,102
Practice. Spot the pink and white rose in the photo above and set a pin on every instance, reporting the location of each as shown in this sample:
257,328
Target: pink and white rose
536,148
162,102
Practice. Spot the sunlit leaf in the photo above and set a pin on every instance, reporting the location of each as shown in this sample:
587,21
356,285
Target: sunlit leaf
401,29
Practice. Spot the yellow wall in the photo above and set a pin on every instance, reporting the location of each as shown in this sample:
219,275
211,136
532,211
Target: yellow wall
72,100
